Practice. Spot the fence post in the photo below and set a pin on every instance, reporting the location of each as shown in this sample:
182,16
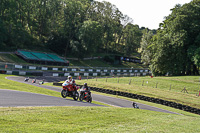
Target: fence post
184,90
130,82
147,84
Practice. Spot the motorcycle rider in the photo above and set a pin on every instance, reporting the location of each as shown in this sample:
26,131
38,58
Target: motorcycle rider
73,84
85,89
70,88
69,81
135,105
26,79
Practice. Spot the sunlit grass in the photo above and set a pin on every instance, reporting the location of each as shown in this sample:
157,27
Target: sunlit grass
93,119
158,87
13,85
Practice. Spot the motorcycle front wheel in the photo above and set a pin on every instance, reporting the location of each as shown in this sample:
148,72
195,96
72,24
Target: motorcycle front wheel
64,93
81,98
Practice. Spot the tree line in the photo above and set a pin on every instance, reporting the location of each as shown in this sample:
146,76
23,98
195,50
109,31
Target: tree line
77,27
84,27
175,48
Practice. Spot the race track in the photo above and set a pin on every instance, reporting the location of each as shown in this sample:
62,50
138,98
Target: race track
42,100
11,98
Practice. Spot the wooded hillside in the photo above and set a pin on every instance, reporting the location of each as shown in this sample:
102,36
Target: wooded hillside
85,27
78,27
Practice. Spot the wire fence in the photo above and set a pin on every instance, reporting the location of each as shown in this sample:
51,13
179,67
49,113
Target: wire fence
157,83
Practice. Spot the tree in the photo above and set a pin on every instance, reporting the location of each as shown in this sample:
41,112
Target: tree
146,53
109,17
174,41
3,36
131,38
62,25
90,39
74,16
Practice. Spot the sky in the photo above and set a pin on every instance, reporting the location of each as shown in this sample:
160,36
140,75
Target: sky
146,13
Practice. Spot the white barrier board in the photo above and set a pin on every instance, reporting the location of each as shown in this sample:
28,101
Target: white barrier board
18,66
32,67
55,69
44,68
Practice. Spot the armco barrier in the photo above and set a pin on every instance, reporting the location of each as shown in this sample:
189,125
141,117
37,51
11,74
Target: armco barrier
57,84
57,74
94,71
145,98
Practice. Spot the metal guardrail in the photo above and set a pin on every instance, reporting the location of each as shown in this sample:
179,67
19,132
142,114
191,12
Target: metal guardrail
26,69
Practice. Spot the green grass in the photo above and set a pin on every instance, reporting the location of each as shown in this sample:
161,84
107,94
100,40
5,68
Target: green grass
89,63
93,119
11,58
89,119
101,63
13,85
163,91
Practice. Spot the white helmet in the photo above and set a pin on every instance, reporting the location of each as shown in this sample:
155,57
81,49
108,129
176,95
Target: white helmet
69,77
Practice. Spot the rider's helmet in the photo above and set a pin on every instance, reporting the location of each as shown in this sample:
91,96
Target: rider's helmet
73,82
85,85
70,78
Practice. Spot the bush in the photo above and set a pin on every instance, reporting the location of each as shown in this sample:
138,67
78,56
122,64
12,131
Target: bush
108,59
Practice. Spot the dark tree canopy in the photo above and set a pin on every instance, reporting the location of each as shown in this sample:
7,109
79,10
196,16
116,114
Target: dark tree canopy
82,28
174,48
66,27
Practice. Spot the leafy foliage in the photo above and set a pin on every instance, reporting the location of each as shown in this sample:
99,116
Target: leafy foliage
174,49
78,27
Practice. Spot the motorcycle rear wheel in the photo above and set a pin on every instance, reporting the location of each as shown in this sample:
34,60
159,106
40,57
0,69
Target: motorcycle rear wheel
64,93
76,96
89,99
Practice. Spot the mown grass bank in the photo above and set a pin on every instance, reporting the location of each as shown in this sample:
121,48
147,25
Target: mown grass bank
13,85
94,119
166,88
11,58
88,119
102,63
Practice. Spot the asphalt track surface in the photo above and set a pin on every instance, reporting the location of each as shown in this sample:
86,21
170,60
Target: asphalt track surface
9,98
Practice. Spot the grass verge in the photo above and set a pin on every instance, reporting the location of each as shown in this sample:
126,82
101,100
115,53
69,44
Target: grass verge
88,119
13,85
93,119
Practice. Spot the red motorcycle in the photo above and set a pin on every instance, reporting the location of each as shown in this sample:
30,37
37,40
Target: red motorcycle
85,95
70,91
